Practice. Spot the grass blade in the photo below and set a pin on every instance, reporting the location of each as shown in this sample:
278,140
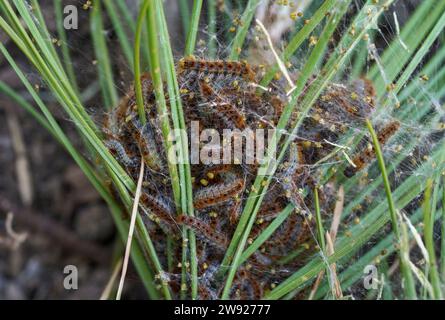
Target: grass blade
410,290
193,28
429,208
106,81
240,36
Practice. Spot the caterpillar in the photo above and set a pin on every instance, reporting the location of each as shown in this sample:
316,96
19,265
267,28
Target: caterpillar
145,138
291,234
284,234
294,160
270,210
158,207
365,156
232,114
246,286
388,131
235,211
365,87
203,229
338,107
261,261
224,109
224,67
124,157
206,293
215,194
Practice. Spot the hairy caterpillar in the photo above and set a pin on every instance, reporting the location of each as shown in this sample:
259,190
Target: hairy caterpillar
223,67
246,286
225,109
285,233
159,207
270,210
219,193
365,156
145,138
356,104
205,230
126,158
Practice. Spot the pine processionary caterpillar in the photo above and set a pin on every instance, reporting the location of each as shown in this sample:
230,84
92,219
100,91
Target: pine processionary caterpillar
237,68
158,207
246,286
219,193
232,114
145,138
284,233
205,230
365,156
235,211
119,151
205,293
388,131
260,261
270,210
224,109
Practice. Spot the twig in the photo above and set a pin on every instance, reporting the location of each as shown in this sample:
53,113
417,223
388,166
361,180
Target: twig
21,164
18,238
348,159
336,145
131,231
396,22
316,285
330,240
107,291
13,239
279,61
338,209
382,285
417,237
336,290
421,277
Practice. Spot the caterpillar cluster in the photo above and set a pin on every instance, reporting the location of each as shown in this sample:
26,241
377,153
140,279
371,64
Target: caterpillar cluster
222,95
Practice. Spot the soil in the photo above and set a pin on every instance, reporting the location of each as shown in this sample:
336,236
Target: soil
52,203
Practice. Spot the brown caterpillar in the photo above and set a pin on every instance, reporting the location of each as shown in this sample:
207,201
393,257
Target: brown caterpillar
246,286
237,68
365,156
235,211
270,210
212,195
358,103
223,108
159,208
205,230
